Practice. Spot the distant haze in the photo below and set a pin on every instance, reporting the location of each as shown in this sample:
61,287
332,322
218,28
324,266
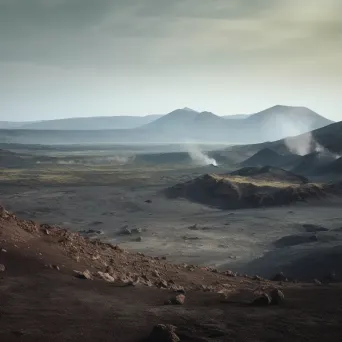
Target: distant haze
179,126
81,58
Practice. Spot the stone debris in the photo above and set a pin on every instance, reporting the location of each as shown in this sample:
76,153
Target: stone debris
277,297
163,333
107,277
176,300
263,300
84,275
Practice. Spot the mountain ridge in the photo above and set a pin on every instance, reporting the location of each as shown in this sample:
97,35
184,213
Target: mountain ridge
180,125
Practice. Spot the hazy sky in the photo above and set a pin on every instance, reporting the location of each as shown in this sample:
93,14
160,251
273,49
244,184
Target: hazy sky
62,58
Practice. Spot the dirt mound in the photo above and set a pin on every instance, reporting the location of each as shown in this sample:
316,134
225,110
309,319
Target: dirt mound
266,157
308,164
270,173
235,192
293,240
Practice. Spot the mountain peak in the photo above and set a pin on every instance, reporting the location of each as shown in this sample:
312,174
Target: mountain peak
188,109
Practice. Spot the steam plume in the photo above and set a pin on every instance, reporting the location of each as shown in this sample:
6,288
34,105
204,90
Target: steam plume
199,157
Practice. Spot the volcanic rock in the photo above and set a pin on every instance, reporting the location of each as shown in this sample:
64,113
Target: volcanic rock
163,333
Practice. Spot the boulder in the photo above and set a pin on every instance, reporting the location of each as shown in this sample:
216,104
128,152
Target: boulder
176,300
162,284
106,276
163,333
277,297
263,300
84,275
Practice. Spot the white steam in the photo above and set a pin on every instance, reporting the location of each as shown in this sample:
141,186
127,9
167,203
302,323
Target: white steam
301,145
305,144
200,158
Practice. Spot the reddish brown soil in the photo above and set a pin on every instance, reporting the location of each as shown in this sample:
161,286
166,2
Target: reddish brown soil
38,303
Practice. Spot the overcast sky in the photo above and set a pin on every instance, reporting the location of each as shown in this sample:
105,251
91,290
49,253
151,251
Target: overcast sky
69,58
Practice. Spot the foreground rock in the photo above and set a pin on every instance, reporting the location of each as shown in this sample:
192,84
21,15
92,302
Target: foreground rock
277,297
176,300
163,333
107,277
84,275
263,300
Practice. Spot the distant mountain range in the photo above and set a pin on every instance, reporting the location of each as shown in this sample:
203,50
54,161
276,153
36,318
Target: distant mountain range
91,123
96,122
181,125
236,116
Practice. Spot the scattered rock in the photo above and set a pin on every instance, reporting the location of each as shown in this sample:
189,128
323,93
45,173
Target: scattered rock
56,267
263,300
257,278
190,238
138,239
178,289
148,201
277,297
84,275
146,282
162,284
125,230
230,273
126,279
313,228
3,250
106,276
97,223
206,288
136,231
155,273
91,231
109,269
177,300
163,333
279,277
2,268
193,227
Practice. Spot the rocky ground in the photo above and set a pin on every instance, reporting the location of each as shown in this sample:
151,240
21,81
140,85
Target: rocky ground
58,286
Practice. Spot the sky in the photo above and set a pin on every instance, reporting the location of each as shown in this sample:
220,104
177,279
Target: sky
76,58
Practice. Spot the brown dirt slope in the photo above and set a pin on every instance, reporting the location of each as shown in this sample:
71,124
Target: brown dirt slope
43,299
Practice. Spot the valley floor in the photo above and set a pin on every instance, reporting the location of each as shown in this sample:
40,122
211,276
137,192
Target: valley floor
129,208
